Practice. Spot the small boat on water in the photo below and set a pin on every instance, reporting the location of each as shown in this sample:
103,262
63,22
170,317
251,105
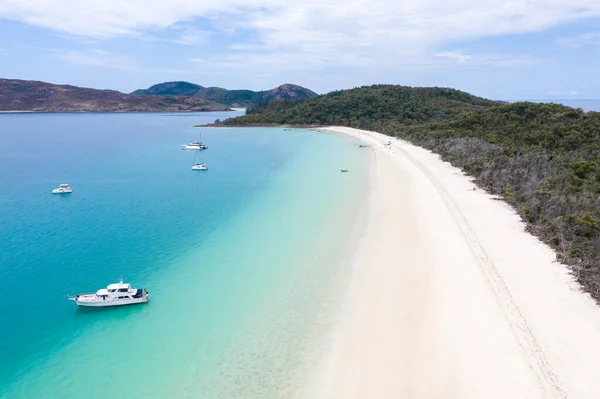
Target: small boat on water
344,170
194,145
113,295
198,166
63,189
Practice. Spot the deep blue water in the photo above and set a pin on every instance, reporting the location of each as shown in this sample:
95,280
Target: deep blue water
227,254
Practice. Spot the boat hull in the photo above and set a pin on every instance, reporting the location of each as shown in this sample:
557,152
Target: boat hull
115,302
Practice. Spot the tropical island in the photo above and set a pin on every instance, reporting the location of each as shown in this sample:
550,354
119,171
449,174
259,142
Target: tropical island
34,96
542,159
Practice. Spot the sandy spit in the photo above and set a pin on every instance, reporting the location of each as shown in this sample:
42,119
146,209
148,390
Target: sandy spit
15,112
451,298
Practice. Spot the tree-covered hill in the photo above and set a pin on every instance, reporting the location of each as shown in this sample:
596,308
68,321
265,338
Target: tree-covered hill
170,89
366,107
233,98
543,159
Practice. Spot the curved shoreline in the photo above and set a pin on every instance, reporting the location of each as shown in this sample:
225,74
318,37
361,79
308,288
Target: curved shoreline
452,298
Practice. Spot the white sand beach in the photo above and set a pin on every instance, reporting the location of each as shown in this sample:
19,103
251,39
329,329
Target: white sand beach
451,298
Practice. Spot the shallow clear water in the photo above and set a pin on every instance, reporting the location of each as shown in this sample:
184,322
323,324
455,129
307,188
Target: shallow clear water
240,261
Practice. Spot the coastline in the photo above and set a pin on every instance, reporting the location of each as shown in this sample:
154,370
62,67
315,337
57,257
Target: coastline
450,297
91,111
263,125
15,112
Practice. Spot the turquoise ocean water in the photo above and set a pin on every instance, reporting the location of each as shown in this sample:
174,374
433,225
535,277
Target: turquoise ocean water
242,262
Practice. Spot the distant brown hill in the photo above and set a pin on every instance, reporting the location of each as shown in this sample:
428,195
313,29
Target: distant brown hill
233,98
26,95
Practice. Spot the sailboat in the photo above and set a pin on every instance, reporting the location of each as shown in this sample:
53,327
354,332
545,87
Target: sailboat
198,166
194,145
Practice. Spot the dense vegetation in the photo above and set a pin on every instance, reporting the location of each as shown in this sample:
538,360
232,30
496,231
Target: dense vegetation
170,89
233,98
367,107
543,159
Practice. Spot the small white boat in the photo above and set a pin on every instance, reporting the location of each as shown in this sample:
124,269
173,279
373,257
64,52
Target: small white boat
63,189
113,295
198,166
194,145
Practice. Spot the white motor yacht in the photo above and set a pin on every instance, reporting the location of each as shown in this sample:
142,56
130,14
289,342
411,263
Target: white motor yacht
200,166
113,295
194,145
63,189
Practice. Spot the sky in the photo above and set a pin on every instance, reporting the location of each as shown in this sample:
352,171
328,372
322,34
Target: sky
499,49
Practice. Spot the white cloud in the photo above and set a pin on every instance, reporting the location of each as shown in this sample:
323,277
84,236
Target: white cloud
572,93
192,37
312,33
265,62
185,34
500,60
96,58
586,39
370,21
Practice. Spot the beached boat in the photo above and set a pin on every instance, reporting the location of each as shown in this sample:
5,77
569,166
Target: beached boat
194,145
63,189
113,295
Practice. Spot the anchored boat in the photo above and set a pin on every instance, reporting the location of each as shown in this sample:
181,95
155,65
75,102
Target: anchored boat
198,166
113,295
63,189
194,145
